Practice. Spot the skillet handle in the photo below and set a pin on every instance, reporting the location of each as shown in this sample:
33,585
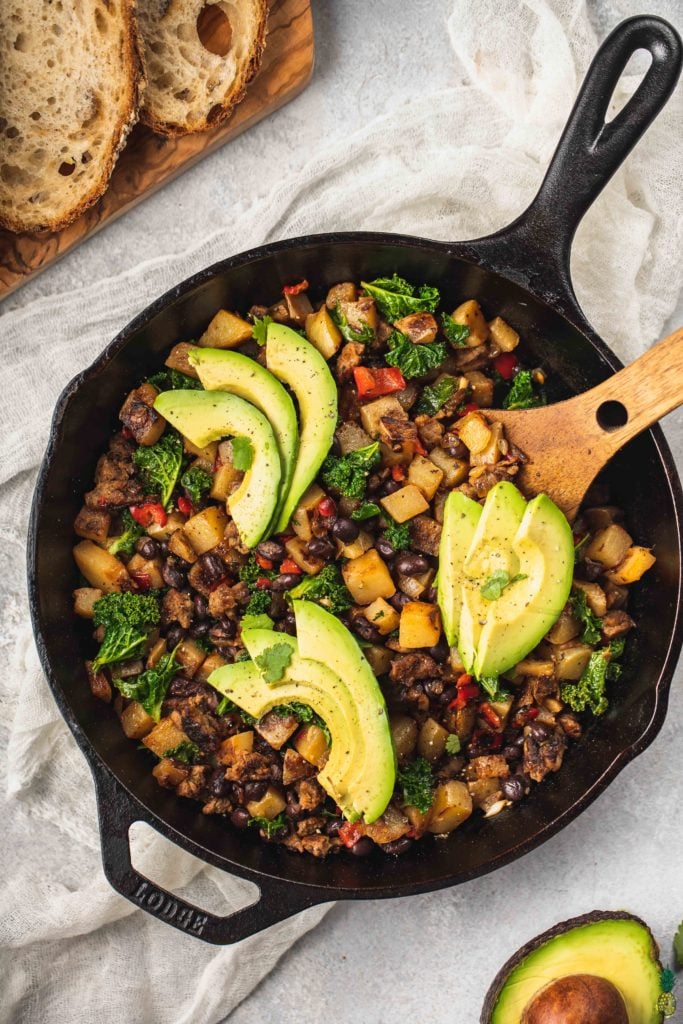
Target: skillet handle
117,812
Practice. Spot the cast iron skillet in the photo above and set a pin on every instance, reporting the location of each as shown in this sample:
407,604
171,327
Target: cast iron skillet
521,273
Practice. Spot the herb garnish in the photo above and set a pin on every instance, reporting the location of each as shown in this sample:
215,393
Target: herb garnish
128,619
592,625
150,687
497,582
159,465
327,588
273,662
589,691
457,334
197,482
434,396
417,781
348,474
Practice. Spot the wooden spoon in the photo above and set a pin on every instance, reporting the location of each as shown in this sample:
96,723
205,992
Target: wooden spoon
567,444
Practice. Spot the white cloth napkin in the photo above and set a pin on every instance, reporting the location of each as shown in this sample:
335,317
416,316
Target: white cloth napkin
452,164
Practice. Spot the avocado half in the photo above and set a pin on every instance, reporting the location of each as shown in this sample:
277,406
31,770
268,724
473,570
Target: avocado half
601,968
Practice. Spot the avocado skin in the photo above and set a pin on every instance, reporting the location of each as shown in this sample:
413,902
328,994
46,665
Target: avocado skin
499,983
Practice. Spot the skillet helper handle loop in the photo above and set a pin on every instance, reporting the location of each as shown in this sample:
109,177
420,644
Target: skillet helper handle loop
117,812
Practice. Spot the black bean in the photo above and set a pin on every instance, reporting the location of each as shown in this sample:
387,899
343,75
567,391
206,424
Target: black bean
276,772
433,688
440,652
172,573
218,784
449,694
287,625
385,548
223,632
174,636
240,818
319,547
213,567
365,629
333,826
590,571
540,731
511,753
163,548
199,629
398,600
335,447
345,530
363,847
147,547
286,580
389,487
294,811
374,483
512,788
201,607
398,846
255,790
408,563
276,837
271,549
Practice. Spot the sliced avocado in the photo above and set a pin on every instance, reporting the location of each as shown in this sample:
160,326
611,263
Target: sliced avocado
298,364
602,968
322,637
460,518
221,370
206,416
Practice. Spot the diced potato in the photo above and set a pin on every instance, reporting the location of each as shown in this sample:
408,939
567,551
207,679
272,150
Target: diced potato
481,387
426,475
351,437
240,743
431,742
169,774
451,806
361,313
164,736
382,616
571,660
636,562
346,291
84,599
98,682
566,628
400,455
372,412
102,570
178,359
135,721
226,330
269,806
415,586
609,546
438,507
190,656
299,307
367,578
502,335
482,790
209,665
207,455
596,599
502,708
405,503
491,454
421,328
420,625
389,827
355,549
454,470
276,729
378,658
322,332
474,431
456,662
312,498
301,524
295,768
146,571
179,545
156,653
404,734
469,314
535,667
92,524
174,522
310,742
138,416
225,480
419,820
205,530
296,549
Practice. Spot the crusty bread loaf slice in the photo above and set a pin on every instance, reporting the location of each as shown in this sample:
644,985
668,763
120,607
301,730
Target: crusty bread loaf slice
69,84
199,56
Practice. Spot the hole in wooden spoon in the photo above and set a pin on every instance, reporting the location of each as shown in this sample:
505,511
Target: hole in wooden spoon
214,29
612,415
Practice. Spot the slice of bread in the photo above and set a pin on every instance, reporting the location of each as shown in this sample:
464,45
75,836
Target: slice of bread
199,56
69,85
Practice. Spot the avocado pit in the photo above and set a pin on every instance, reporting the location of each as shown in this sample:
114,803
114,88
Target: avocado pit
577,999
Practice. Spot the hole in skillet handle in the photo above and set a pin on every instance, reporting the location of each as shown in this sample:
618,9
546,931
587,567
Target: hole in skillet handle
117,812
612,415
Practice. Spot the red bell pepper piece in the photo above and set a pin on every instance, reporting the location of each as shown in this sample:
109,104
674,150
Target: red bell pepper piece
350,833
468,407
490,716
185,506
376,383
295,289
327,507
506,364
398,473
263,583
150,512
142,580
263,563
289,565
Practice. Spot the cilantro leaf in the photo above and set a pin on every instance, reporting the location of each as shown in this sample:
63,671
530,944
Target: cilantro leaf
434,396
186,752
347,474
395,297
150,687
159,465
417,782
270,826
453,744
592,625
242,453
398,535
589,691
365,511
457,334
413,360
260,328
124,544
128,619
174,380
497,582
196,482
493,688
521,394
273,662
327,588
365,334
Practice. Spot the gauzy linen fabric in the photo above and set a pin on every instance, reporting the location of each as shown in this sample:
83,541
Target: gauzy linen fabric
452,164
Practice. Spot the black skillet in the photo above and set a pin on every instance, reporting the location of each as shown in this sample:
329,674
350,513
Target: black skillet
521,273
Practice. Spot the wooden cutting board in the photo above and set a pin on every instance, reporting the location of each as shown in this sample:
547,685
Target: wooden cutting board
150,161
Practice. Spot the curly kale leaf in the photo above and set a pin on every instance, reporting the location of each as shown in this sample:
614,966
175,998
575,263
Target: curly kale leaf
395,297
127,619
363,335
124,544
398,535
327,588
250,573
348,474
174,380
434,396
150,687
305,714
592,625
417,782
457,334
590,691
186,752
414,360
159,465
197,482
365,511
522,394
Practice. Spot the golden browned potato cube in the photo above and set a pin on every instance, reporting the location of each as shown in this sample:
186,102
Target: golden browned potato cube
418,819
426,475
180,545
482,790
420,625
297,550
346,291
298,307
226,330
190,656
312,498
276,729
596,599
452,804
609,546
636,562
135,721
431,743
209,665
322,332
373,412
421,328
566,628
102,570
301,524
405,503
164,736
178,359
240,743
174,522
469,314
415,586
367,578
491,454
169,774
474,431
205,530
482,388
269,806
225,479
92,524
404,734
207,455
84,599
382,616
502,335
454,470
156,653
535,667
310,742
148,569
378,658
571,659
357,547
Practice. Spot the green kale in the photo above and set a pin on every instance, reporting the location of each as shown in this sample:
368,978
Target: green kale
124,544
592,625
228,707
273,662
159,465
260,328
305,714
417,782
197,482
186,752
256,621
127,619
395,297
434,396
365,334
242,453
365,511
497,582
414,360
398,535
327,588
521,394
493,688
250,572
589,691
453,744
225,706
457,334
259,604
348,474
271,826
174,380
150,687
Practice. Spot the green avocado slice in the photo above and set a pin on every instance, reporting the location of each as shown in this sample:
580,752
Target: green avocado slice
221,370
300,366
323,638
616,947
460,518
206,416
